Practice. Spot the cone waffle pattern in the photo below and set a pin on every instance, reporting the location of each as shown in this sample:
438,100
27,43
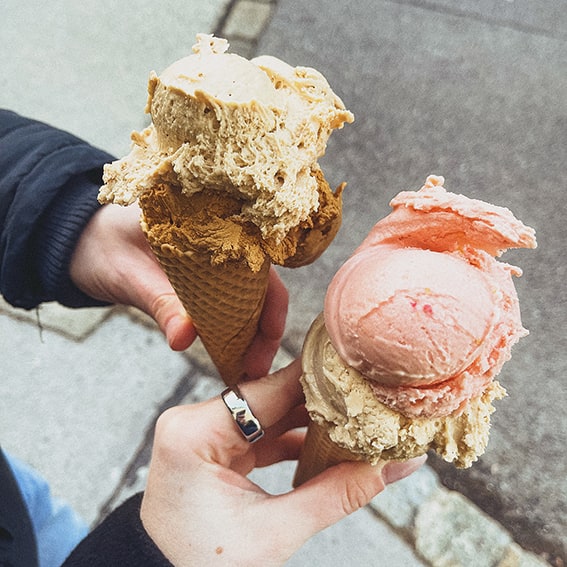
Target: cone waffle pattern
224,302
319,453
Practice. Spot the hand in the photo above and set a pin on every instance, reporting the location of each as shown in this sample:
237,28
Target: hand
199,507
113,262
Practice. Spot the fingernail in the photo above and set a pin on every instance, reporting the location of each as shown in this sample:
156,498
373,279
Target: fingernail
394,471
172,324
172,329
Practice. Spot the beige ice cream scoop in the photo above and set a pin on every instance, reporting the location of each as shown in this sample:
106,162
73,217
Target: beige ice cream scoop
349,423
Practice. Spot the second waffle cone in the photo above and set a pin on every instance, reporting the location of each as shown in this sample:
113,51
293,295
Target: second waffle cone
319,453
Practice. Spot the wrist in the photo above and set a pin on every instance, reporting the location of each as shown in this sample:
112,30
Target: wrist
58,233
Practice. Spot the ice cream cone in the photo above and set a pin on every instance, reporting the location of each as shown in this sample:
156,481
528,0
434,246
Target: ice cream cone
228,182
219,266
224,302
319,453
223,296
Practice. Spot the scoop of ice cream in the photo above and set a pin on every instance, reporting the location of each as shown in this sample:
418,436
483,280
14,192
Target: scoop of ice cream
439,220
211,222
409,316
422,309
343,400
250,129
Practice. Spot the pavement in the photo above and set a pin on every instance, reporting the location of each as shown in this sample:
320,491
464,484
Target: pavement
475,91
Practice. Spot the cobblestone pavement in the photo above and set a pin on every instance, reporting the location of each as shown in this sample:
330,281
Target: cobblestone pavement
85,420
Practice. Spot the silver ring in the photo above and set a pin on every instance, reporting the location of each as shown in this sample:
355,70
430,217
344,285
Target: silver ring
242,414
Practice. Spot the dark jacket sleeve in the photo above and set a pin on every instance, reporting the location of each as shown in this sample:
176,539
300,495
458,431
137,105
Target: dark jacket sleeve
49,180
119,540
17,540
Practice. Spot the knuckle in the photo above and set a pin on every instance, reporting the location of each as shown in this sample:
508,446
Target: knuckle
356,495
161,303
169,430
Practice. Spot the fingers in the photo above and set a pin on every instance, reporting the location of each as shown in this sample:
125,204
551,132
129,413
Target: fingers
274,313
393,471
260,356
283,440
113,262
272,397
271,328
144,284
173,321
286,447
150,290
295,418
338,492
208,431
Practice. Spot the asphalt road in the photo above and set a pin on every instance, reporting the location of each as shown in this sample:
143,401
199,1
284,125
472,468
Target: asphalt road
476,92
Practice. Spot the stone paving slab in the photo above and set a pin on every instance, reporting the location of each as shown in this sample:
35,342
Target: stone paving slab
84,67
114,96
75,324
247,20
75,410
549,19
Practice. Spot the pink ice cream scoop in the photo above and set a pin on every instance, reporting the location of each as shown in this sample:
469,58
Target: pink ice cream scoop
423,309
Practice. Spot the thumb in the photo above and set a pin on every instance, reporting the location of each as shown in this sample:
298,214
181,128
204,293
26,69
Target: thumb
341,490
172,319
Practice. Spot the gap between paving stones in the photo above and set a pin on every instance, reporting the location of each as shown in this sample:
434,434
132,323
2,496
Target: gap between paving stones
445,528
453,9
243,23
74,324
134,474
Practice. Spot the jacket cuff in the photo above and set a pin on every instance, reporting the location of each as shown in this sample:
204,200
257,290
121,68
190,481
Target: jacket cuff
59,231
119,540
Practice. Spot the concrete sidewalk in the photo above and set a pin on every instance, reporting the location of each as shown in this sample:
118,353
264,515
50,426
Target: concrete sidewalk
80,390
82,413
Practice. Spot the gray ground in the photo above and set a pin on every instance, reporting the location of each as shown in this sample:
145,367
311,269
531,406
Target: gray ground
477,92
472,90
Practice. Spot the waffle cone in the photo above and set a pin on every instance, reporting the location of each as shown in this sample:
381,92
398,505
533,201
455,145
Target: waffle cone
224,301
224,297
319,453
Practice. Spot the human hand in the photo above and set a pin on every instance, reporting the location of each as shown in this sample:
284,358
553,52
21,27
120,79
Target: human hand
199,507
113,262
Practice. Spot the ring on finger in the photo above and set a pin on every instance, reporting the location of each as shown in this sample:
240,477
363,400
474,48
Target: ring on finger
242,415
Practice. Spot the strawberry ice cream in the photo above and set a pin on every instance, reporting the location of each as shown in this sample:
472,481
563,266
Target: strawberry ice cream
416,325
428,314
